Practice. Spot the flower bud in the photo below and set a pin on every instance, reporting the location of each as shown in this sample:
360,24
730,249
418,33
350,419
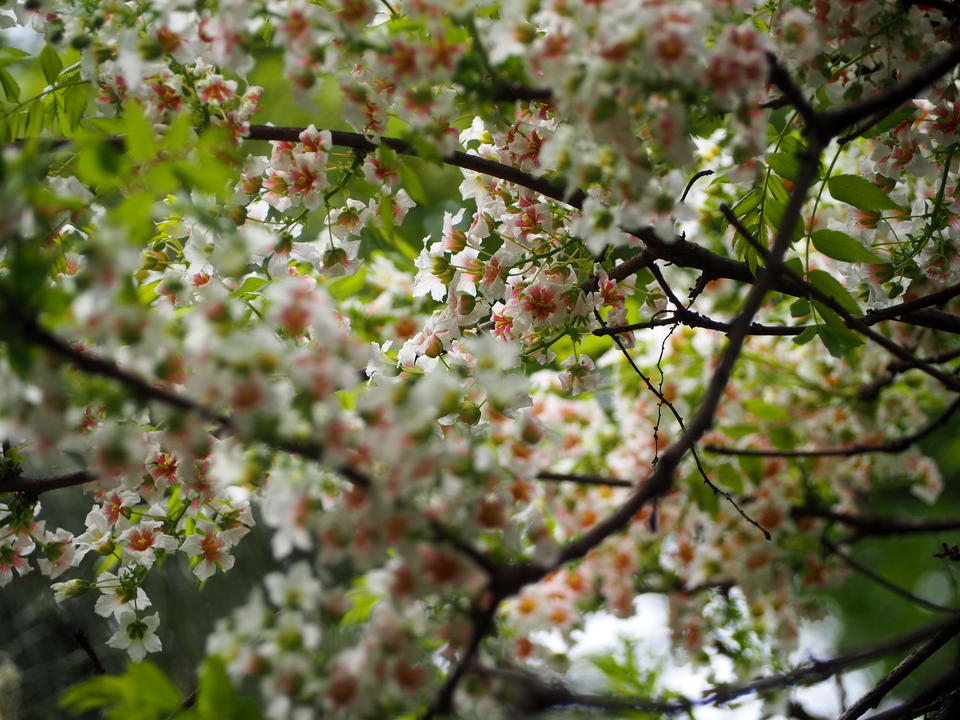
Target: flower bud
70,589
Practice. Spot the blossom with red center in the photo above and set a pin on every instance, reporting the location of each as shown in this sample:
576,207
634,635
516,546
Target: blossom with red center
541,302
116,507
213,89
141,542
11,558
208,548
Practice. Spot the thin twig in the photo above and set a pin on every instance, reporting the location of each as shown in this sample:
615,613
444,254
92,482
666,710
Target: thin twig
585,479
891,447
906,666
38,485
883,582
854,323
879,526
662,399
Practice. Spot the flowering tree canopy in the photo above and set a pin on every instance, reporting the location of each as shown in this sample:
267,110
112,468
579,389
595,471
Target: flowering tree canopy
496,314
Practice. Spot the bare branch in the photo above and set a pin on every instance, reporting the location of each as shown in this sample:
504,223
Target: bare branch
585,479
38,485
661,479
459,159
906,666
833,122
879,526
883,582
891,447
819,670
483,623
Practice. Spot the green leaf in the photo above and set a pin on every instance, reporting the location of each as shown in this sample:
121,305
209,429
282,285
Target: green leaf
806,336
841,246
799,308
730,479
218,698
140,140
178,133
249,286
738,431
10,55
767,411
348,286
93,693
362,603
74,106
860,192
706,499
838,341
828,285
785,165
10,88
51,64
149,684
143,691
413,184
891,121
34,124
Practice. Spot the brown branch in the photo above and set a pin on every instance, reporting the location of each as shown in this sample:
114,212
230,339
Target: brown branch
83,642
891,447
906,666
927,698
458,159
483,623
819,670
660,480
38,485
854,323
878,526
883,582
695,319
585,479
833,122
780,77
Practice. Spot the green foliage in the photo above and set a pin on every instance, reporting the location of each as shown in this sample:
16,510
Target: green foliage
860,192
143,692
841,246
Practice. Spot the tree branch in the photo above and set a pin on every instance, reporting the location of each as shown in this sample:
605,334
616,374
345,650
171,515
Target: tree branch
585,479
906,666
883,582
661,478
854,323
833,122
819,670
879,526
891,447
458,159
38,485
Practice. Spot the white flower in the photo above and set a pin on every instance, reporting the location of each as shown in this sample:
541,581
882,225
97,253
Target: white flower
136,635
118,596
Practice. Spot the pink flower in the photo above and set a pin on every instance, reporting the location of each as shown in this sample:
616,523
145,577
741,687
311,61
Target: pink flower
213,89
542,302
